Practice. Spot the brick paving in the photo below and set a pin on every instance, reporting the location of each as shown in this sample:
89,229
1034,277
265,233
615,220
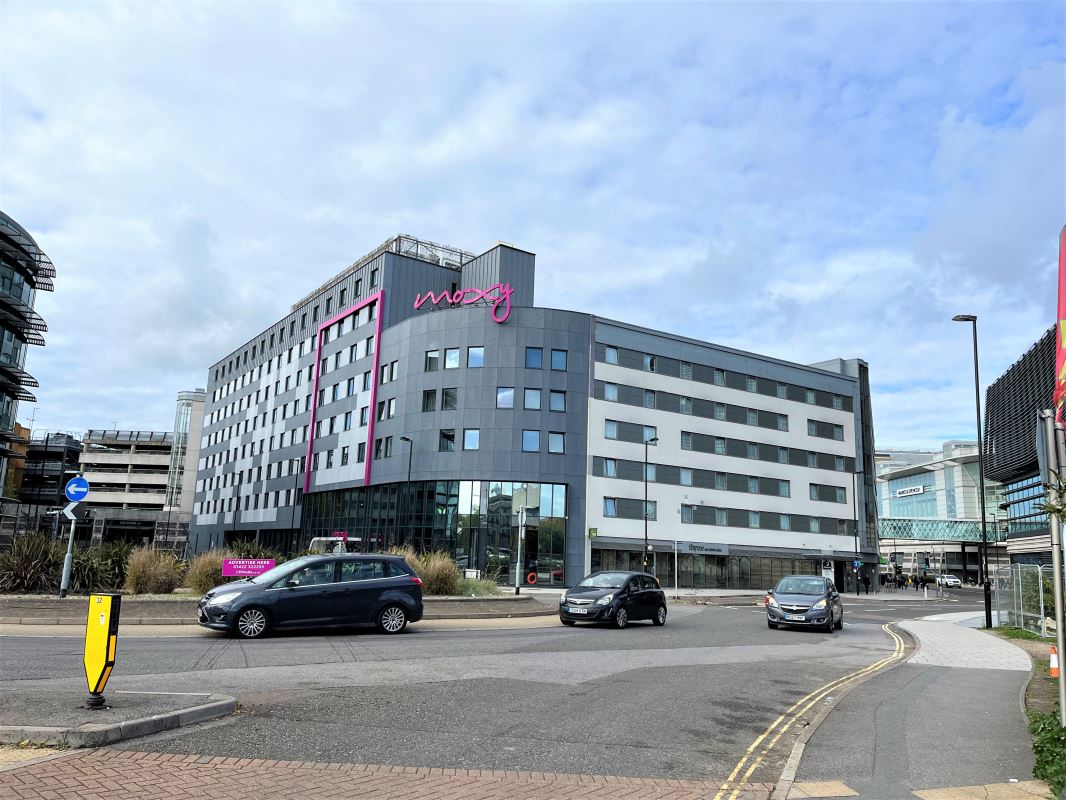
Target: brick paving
119,774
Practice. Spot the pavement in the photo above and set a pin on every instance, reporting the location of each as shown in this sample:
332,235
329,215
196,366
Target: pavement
947,724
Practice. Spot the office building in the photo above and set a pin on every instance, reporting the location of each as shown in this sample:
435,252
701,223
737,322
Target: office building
1012,402
421,397
51,460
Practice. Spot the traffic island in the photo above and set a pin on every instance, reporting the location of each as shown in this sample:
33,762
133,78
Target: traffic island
59,718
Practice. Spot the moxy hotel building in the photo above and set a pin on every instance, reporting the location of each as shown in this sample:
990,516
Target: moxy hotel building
420,397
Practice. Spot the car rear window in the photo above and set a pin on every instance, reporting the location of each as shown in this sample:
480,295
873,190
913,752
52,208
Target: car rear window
394,569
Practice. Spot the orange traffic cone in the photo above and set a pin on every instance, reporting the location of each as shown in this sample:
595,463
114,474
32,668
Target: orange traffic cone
1054,662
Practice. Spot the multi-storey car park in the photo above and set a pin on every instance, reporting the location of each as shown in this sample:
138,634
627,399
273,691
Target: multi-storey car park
420,397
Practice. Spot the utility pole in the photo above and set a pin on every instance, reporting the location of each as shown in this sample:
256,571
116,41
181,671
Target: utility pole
1051,477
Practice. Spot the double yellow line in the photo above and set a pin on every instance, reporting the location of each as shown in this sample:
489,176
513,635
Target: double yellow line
794,713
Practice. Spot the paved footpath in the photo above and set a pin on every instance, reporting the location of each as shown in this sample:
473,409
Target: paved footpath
118,775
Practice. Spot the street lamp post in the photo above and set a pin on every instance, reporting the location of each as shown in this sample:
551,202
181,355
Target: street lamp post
855,499
647,442
972,319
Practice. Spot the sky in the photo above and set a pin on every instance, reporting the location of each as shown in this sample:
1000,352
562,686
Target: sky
806,181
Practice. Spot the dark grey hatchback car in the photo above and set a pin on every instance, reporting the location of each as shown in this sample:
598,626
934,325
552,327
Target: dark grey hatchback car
805,600
317,592
614,597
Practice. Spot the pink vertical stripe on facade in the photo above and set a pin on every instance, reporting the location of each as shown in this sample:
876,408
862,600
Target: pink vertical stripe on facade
340,315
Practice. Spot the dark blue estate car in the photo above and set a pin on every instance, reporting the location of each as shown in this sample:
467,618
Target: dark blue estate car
317,592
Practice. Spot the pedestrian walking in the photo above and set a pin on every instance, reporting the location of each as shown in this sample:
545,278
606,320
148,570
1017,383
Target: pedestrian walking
866,582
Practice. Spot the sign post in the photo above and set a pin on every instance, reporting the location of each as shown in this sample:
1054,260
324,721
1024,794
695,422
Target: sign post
1050,476
76,491
101,644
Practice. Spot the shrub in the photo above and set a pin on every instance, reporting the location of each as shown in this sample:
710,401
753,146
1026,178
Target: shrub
33,564
113,557
439,574
252,550
152,572
472,587
205,571
410,556
1049,747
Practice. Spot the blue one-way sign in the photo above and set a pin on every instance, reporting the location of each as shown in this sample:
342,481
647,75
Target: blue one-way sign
77,489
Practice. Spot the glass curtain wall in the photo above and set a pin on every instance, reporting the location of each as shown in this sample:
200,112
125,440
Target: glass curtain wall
708,572
491,526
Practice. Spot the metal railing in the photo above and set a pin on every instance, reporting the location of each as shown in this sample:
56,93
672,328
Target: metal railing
1024,598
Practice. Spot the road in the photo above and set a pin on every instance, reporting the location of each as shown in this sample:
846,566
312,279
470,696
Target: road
682,701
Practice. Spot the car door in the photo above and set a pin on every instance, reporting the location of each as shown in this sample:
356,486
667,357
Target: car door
309,595
361,584
634,599
834,600
653,597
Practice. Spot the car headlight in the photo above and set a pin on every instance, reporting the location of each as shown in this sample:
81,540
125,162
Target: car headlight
773,603
222,599
562,601
820,604
605,600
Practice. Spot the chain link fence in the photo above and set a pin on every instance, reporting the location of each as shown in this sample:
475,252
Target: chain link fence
1024,598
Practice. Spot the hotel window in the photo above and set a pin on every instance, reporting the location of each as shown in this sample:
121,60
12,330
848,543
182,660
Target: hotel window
751,384
610,355
721,481
784,489
447,440
785,522
373,278
360,452
753,519
332,428
815,524
329,459
838,463
782,422
720,517
449,399
471,438
530,441
358,286
335,392
686,405
649,363
383,374
610,392
429,400
686,370
378,449
808,396
686,476
343,294
451,358
686,514
782,391
364,416
838,402
649,398
534,357
350,387
559,360
753,450
719,446
556,443
649,433
649,473
686,440
557,401
812,428
475,357
314,314
348,420
505,397
719,411
531,400
651,508
610,468
329,304
610,507
610,429
369,342
719,377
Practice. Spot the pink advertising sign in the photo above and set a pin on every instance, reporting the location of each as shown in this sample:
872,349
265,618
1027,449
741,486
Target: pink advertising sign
245,567
466,297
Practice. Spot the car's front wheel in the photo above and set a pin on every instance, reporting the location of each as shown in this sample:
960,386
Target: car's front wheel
840,622
829,624
392,619
621,617
660,616
251,623
771,624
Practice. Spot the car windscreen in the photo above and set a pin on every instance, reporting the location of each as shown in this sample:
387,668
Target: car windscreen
801,586
274,573
604,580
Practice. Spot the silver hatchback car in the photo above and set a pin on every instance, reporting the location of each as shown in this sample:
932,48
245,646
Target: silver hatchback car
810,601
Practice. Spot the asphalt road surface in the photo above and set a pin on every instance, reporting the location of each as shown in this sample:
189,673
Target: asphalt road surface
681,701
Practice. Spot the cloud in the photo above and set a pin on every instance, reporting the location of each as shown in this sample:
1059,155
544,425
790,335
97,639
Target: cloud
802,180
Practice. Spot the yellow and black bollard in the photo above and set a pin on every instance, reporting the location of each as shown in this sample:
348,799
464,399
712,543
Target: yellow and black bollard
101,643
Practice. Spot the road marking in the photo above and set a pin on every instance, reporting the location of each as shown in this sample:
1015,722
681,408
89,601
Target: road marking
794,713
821,789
